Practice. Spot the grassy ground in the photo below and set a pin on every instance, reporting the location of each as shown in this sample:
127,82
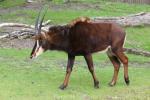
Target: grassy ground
23,79
11,3
138,37
62,12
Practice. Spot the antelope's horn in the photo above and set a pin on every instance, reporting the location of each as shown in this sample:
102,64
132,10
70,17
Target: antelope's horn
38,23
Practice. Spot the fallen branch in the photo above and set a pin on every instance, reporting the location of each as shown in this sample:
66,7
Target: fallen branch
22,25
24,33
137,52
4,36
46,23
26,29
29,1
139,19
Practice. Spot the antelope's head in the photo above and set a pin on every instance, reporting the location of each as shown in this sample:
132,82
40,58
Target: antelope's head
40,37
55,38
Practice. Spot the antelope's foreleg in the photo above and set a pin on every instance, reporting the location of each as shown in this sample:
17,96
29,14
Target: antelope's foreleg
68,71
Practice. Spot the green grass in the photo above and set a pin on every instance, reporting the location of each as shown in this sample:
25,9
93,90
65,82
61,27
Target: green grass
11,3
138,37
66,14
39,79
24,79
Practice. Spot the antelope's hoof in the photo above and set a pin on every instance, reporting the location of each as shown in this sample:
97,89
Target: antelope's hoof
62,87
111,84
127,81
96,84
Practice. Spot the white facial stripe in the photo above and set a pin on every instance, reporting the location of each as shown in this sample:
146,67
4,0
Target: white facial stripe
39,51
37,45
37,42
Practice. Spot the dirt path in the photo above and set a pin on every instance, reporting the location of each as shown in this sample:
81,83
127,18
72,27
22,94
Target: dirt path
16,43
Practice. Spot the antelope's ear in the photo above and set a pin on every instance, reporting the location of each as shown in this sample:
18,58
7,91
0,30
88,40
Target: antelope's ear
43,36
36,37
40,37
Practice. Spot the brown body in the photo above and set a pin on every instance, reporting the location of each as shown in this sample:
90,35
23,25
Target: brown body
84,38
92,37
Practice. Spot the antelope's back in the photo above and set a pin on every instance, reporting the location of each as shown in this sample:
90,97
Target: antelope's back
92,36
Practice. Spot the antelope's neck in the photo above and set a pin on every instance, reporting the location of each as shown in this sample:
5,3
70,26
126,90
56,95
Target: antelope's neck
61,45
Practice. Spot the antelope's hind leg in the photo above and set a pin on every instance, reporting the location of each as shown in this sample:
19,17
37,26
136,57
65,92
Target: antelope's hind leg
89,61
124,59
116,64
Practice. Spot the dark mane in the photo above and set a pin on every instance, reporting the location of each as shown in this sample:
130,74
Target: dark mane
64,29
78,20
60,29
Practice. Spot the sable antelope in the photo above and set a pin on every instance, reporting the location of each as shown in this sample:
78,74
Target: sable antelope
82,38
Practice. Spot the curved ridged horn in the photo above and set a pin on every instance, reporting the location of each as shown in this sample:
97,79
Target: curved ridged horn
38,23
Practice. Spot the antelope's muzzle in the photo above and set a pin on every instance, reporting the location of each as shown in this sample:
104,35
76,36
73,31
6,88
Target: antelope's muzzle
37,50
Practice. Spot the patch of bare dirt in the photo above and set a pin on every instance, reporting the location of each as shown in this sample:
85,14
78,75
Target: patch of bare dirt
16,43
